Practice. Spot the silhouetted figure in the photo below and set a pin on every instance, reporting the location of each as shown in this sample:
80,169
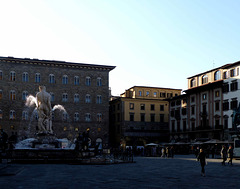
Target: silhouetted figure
230,155
3,139
224,154
202,158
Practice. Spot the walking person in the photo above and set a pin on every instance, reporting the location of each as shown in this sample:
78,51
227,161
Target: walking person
230,155
223,154
202,158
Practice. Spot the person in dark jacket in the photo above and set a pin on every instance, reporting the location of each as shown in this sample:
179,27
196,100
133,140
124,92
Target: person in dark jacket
202,158
230,155
223,154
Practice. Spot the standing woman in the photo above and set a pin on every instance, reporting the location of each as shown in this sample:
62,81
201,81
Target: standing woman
202,158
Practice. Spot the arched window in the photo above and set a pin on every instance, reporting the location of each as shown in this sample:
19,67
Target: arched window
204,79
99,143
64,116
99,99
51,78
88,81
76,80
24,115
24,95
193,83
99,117
76,116
12,114
217,75
87,117
12,95
25,77
88,98
12,76
65,79
99,81
1,75
76,97
37,77
65,97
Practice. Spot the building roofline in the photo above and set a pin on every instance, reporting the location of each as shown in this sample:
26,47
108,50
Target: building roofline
221,67
56,63
153,87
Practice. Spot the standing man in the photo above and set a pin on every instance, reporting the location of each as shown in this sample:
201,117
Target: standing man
224,154
202,158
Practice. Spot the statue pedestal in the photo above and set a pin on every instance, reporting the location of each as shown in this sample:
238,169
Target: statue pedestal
46,141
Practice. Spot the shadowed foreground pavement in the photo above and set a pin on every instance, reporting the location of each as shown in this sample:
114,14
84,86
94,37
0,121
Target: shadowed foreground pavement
148,172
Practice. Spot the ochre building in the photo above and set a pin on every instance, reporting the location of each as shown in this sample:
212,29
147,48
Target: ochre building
140,116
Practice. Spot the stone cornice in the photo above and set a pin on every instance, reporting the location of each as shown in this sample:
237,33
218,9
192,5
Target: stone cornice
54,63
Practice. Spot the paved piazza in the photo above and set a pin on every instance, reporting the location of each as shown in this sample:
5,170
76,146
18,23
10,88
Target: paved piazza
148,172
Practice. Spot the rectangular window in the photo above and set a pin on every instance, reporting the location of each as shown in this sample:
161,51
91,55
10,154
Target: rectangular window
193,126
217,94
192,99
232,73
152,117
155,94
216,106
161,118
142,117
184,125
204,96
224,75
163,95
193,110
234,86
152,107
225,105
169,95
234,104
1,75
225,88
131,106
142,106
131,116
226,123
184,111
161,107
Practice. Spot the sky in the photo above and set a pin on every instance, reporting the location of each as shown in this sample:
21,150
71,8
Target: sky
156,43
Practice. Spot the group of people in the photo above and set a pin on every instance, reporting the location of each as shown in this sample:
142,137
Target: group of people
225,153
168,152
7,142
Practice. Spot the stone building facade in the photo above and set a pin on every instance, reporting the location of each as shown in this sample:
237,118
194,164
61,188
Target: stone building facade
82,89
210,100
140,116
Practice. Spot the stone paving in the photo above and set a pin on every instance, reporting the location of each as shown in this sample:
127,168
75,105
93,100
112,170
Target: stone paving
183,171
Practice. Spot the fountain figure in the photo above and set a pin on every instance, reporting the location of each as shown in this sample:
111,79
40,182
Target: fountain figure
44,110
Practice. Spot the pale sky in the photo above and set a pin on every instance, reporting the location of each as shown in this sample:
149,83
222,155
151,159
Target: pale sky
157,43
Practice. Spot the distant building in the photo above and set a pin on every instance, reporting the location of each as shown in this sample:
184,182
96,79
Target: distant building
140,115
82,89
210,99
